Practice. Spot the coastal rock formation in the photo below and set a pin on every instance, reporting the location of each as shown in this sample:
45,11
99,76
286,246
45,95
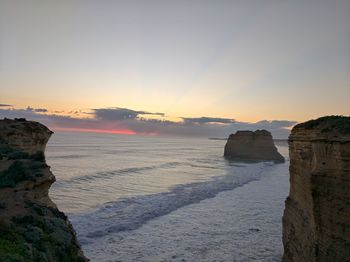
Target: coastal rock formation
252,146
31,226
316,220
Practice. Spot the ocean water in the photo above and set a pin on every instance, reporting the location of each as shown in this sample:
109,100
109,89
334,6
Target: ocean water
137,198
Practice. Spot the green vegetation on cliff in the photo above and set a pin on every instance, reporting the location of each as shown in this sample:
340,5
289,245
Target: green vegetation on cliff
41,235
41,232
20,171
31,226
340,124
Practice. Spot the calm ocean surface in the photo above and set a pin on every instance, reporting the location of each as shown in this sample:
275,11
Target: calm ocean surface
135,198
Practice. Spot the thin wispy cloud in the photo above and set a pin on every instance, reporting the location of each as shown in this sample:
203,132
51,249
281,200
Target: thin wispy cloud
38,110
206,120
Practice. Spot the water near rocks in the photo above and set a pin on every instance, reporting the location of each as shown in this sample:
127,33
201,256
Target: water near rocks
134,198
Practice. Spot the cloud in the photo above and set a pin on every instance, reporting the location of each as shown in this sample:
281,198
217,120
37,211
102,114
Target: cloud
128,119
38,110
4,105
276,123
117,114
278,128
206,120
29,112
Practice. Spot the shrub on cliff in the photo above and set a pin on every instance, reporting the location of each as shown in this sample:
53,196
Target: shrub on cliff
328,123
15,173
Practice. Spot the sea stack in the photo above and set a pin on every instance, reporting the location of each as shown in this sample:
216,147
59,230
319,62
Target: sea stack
252,146
31,226
316,220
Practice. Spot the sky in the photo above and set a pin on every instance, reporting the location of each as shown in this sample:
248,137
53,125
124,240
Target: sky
175,67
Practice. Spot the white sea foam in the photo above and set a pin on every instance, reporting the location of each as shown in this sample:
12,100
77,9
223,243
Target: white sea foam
154,199
131,213
243,224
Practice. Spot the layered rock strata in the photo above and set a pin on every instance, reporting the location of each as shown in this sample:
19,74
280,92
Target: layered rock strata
252,146
316,220
31,226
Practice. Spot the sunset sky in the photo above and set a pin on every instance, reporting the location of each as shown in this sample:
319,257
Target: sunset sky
201,63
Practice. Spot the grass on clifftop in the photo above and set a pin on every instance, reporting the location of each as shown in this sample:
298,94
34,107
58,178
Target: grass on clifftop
328,123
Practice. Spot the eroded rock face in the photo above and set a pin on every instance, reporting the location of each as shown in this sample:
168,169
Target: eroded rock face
31,226
316,220
253,146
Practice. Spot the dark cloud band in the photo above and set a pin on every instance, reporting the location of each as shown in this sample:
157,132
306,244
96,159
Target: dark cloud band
117,114
128,119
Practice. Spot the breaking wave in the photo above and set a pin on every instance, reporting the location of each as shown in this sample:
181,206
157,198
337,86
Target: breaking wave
113,173
131,213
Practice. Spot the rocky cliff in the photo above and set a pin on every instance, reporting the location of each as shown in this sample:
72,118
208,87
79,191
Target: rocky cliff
31,226
316,220
253,146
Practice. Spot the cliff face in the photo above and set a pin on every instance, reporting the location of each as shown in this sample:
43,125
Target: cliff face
254,146
316,220
31,226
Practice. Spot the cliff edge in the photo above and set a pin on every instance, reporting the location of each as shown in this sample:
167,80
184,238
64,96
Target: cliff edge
316,220
31,226
252,146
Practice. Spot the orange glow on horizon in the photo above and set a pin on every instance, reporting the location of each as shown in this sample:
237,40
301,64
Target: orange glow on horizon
89,130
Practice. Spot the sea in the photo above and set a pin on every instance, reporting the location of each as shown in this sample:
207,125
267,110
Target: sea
153,198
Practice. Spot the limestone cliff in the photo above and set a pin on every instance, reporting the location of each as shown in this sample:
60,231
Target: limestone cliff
253,146
31,226
316,220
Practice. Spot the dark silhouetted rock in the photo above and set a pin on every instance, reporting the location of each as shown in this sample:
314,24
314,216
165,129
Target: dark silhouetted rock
31,226
316,220
252,146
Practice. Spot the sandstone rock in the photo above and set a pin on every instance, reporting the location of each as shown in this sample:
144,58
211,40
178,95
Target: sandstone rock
31,226
316,220
252,146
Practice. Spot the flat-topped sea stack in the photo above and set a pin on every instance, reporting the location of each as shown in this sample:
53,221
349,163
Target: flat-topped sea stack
252,146
316,220
31,226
